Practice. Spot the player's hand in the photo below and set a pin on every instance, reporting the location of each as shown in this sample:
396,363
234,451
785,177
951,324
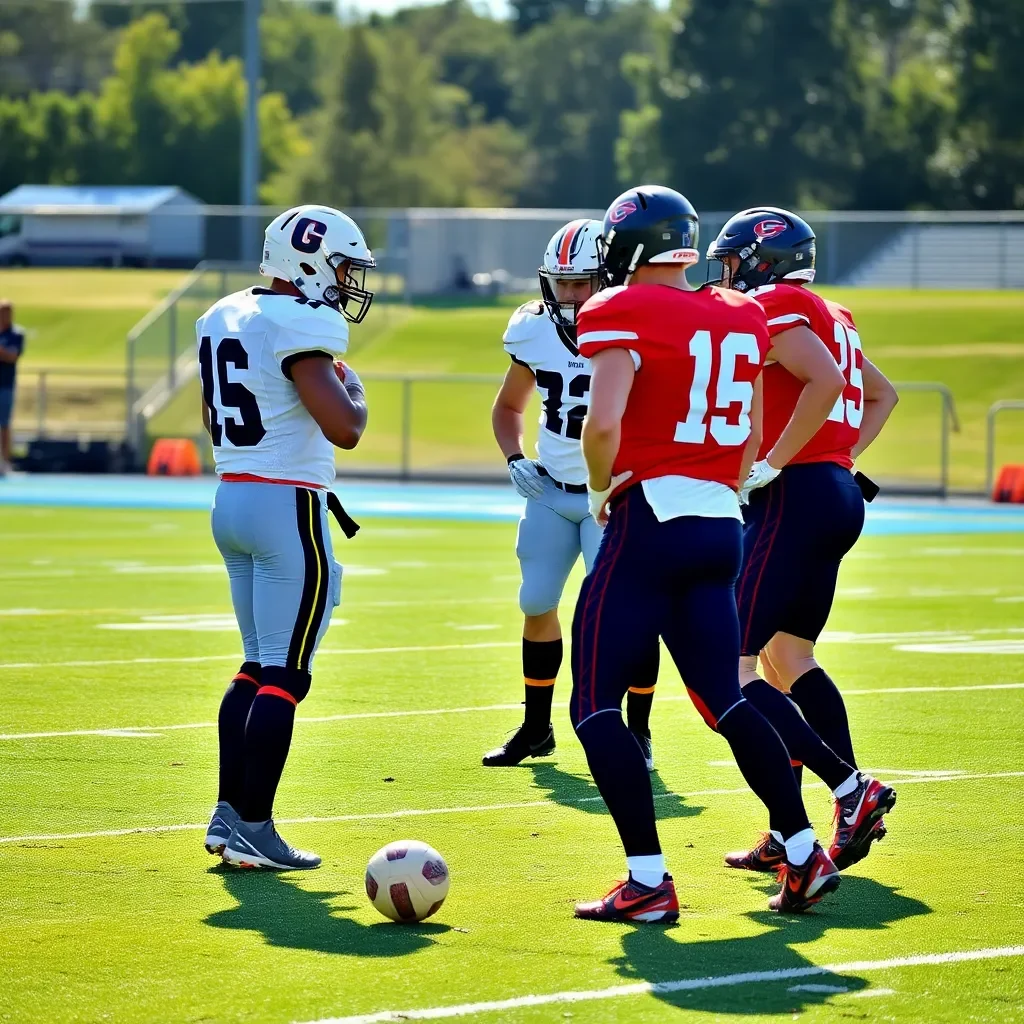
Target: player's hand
526,476
761,473
350,381
599,499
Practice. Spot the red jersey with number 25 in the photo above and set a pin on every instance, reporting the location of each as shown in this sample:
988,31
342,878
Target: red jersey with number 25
698,354
788,306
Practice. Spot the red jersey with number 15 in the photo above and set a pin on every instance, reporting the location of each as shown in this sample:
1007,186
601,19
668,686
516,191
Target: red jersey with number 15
788,306
698,354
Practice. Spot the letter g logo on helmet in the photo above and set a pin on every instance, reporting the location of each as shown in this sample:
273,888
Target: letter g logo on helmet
308,234
622,211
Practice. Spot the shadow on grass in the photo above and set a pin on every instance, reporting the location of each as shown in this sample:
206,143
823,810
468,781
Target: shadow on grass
654,954
580,792
295,918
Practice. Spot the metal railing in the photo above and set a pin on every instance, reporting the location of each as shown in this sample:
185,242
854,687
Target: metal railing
990,436
64,402
949,421
436,250
160,350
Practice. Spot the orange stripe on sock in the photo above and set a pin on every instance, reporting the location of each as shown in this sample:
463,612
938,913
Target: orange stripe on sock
246,679
276,691
539,682
642,689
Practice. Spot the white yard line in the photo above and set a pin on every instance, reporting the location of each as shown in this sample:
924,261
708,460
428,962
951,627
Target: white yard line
130,730
323,652
471,809
685,985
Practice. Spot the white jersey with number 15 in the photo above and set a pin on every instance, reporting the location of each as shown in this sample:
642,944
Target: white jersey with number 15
248,343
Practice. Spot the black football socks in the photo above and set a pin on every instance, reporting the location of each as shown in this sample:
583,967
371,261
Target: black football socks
268,736
823,707
802,742
541,662
234,710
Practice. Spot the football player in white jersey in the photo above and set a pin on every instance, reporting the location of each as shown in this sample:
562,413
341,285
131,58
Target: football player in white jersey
556,526
277,400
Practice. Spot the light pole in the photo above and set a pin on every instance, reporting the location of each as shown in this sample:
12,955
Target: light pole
249,236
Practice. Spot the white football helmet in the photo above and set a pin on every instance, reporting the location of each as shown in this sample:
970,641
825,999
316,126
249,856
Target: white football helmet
323,253
571,255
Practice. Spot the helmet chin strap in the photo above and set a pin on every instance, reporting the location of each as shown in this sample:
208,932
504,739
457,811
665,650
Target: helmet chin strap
634,260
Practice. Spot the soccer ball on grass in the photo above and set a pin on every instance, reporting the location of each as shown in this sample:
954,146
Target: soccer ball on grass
407,881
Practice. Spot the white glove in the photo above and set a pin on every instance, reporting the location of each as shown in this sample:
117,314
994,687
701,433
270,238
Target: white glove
761,473
526,476
599,499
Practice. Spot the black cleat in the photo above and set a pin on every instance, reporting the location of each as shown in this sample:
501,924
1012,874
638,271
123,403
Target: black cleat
519,748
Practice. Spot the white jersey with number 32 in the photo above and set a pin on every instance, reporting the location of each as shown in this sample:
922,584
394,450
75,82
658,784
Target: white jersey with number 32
248,342
563,380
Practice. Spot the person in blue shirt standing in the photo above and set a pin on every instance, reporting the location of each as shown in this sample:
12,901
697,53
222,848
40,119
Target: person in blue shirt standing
12,344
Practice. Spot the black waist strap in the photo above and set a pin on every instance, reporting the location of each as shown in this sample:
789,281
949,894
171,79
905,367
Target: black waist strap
568,488
348,525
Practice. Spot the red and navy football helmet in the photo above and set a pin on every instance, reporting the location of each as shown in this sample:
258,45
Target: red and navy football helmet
772,245
649,224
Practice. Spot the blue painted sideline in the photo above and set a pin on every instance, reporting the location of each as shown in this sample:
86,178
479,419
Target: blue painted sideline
478,503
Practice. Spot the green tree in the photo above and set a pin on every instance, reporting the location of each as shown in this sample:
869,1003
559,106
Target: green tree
985,159
392,134
571,80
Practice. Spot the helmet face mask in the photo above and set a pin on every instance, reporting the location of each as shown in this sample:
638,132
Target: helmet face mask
763,245
322,253
570,259
350,295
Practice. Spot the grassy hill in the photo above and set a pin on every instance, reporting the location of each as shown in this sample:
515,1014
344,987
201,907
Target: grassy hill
973,342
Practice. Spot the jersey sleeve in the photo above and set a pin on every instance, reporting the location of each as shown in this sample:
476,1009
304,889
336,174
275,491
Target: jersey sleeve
521,331
784,308
609,320
301,329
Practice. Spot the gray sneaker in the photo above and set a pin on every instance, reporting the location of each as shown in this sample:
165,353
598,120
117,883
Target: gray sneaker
258,845
223,820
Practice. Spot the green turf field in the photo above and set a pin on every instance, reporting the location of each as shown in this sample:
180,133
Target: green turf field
973,342
127,926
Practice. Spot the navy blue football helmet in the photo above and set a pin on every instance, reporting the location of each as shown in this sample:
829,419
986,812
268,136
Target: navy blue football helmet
772,245
649,224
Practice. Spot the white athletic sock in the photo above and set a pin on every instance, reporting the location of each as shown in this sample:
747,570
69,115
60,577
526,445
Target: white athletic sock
847,787
649,870
799,847
777,836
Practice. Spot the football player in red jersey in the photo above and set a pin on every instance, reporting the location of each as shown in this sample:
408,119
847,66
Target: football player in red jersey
805,513
669,435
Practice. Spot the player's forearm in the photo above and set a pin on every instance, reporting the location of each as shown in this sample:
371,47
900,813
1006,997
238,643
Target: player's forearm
880,399
600,446
811,410
9,355
507,424
351,421
876,412
750,454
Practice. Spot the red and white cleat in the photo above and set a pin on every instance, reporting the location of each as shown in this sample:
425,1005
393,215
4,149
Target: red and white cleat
767,855
858,815
632,901
805,884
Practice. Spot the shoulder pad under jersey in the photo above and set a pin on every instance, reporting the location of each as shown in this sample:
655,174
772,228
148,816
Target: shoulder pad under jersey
315,319
525,324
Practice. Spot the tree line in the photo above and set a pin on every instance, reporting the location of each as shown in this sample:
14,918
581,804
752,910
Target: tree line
861,104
